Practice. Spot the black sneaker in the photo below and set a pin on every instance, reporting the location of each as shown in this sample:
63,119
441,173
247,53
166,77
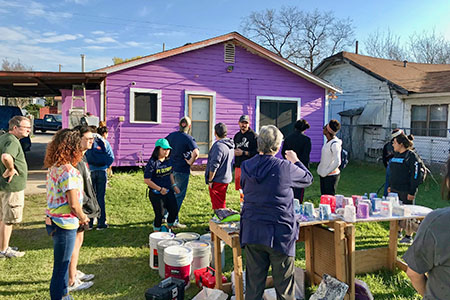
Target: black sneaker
101,227
406,240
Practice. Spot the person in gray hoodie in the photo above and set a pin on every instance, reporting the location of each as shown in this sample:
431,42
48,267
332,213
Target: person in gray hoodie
218,173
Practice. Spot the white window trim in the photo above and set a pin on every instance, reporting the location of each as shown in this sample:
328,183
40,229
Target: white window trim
270,98
201,93
159,105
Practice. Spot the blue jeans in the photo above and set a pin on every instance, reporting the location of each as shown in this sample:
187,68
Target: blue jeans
182,181
99,179
63,243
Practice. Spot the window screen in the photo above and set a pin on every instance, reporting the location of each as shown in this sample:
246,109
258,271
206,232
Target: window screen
145,107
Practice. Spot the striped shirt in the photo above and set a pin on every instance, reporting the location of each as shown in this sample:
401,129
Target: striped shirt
60,180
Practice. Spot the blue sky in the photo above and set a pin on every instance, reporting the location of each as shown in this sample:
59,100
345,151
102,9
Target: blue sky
44,34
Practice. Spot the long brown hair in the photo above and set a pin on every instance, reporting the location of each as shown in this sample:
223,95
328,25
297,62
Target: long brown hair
65,148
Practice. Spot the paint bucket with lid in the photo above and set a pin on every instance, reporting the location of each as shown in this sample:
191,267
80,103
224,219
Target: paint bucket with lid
178,260
161,246
187,236
201,255
154,239
207,238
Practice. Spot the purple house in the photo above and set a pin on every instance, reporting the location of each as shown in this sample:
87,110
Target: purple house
215,80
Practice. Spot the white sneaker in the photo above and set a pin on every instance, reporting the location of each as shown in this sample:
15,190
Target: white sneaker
79,285
11,253
84,277
178,225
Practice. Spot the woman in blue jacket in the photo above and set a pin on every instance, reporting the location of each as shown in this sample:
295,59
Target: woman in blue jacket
269,227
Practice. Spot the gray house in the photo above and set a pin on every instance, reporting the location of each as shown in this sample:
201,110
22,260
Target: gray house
381,94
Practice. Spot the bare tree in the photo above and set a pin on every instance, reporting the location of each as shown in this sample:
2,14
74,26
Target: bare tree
14,66
303,38
385,44
429,47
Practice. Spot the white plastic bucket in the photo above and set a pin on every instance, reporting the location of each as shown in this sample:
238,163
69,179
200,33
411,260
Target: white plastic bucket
187,236
207,238
178,260
201,254
161,246
154,239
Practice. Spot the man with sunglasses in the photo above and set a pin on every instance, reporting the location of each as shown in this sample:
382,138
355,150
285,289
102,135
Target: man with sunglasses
14,170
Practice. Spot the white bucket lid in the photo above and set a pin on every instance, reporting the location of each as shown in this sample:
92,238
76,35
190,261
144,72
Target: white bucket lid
206,237
167,243
187,236
178,256
155,237
200,248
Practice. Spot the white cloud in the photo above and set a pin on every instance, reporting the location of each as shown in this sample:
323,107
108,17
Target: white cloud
10,34
133,44
143,11
59,38
36,10
49,33
101,40
98,32
168,33
82,2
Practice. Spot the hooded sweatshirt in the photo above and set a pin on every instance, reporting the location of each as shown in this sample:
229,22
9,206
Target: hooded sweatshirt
220,160
330,159
267,216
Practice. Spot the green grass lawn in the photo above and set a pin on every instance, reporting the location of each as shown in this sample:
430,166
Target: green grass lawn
119,256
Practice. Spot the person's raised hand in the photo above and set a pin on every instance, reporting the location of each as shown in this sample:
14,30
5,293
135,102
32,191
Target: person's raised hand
291,156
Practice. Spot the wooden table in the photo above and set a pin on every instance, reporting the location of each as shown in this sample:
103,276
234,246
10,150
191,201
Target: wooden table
329,248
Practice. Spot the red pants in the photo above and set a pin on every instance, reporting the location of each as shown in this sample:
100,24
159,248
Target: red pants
218,194
237,179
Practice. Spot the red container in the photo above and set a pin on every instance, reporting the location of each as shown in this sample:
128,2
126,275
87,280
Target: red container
206,277
329,199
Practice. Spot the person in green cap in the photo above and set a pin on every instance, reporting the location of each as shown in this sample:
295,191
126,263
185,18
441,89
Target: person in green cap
158,175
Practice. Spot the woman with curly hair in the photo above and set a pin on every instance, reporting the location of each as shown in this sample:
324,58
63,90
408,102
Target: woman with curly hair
64,199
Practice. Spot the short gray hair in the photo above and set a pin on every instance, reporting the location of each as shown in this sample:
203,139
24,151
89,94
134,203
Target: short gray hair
269,139
15,121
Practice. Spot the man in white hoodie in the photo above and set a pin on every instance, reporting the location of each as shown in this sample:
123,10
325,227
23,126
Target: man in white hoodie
330,159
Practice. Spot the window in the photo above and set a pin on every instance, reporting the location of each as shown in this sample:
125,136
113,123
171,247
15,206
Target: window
281,112
429,120
200,110
145,106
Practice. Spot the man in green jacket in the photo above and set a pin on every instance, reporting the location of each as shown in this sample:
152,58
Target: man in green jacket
14,170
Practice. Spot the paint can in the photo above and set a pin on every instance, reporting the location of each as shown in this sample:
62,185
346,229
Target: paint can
161,246
154,239
187,236
178,260
207,238
201,255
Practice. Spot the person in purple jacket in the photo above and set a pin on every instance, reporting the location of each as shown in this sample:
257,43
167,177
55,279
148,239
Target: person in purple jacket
269,227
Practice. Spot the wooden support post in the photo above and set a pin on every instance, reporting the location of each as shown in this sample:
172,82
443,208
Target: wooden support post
350,234
393,235
237,260
217,261
339,250
309,255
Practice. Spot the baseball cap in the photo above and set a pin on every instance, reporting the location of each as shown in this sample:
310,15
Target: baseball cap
163,143
244,118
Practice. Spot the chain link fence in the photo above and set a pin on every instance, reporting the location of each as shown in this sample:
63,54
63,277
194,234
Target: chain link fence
365,143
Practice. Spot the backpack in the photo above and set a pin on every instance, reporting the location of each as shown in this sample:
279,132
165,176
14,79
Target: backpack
420,170
344,158
97,155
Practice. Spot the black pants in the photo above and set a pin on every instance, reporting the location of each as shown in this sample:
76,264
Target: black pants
258,259
299,193
328,185
161,202
403,196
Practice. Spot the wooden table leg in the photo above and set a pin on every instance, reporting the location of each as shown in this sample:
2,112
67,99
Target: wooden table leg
350,234
309,255
237,260
393,236
217,260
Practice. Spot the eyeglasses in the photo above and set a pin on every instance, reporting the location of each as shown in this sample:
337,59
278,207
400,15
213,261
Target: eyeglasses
89,139
26,127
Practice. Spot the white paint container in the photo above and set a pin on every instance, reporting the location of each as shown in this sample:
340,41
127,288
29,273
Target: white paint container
207,238
178,260
187,236
161,246
154,239
201,254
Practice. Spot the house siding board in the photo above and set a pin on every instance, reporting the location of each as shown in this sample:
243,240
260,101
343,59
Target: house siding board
203,70
359,89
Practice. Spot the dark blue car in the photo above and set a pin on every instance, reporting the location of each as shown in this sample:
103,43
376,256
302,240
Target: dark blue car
6,113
